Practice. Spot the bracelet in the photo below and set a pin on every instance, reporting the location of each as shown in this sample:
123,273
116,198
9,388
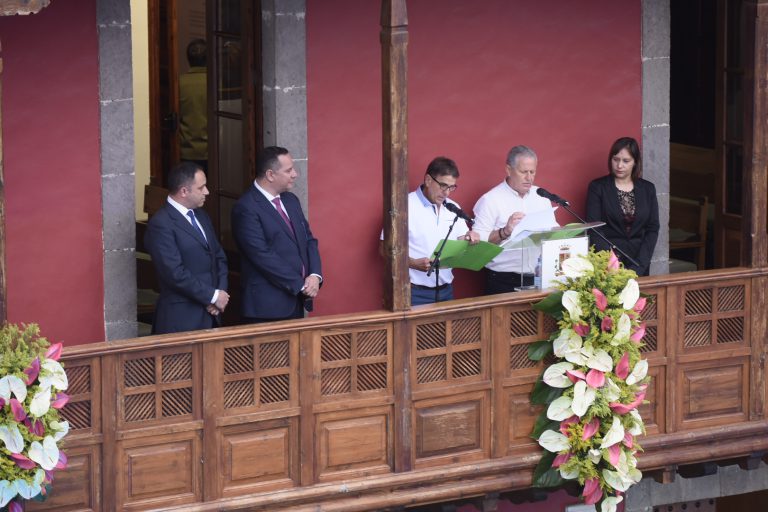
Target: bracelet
502,237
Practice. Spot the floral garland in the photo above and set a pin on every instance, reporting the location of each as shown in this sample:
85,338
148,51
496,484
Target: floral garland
31,394
590,425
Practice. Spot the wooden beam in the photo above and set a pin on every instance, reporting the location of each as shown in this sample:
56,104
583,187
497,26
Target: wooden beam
11,7
3,308
755,188
394,81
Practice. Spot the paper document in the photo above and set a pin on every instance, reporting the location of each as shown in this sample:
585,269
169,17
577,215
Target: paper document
460,254
533,222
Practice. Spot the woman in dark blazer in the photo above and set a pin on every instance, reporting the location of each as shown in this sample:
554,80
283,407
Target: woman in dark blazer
628,206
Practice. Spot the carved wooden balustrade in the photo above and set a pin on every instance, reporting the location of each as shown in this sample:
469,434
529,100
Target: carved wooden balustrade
368,411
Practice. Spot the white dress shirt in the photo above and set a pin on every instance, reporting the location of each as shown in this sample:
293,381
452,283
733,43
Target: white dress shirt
492,212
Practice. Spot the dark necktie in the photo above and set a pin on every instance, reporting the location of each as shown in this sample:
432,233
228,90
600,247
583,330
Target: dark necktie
191,215
279,205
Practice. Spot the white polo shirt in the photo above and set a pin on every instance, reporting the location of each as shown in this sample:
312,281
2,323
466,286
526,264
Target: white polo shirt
492,212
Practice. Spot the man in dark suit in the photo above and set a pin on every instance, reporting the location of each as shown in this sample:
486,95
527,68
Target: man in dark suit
190,262
280,260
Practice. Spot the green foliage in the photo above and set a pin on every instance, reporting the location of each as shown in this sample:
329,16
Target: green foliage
545,476
543,394
539,350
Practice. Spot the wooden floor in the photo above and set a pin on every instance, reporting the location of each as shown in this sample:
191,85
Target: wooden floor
377,410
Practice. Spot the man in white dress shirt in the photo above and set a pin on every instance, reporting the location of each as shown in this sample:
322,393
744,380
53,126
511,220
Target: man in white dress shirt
497,213
428,224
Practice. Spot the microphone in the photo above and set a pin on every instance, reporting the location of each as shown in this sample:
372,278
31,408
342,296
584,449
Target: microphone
458,211
552,197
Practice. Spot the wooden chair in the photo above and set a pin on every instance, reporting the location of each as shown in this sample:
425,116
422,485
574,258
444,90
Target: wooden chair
688,227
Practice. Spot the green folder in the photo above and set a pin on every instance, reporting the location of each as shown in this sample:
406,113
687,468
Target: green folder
460,254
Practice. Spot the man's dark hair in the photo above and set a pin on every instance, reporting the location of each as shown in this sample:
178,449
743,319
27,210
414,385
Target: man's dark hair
632,147
442,166
182,175
267,159
197,53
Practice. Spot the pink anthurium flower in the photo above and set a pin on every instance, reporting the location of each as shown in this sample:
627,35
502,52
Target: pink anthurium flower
595,378
561,459
622,369
575,375
15,506
48,478
37,428
590,429
600,301
640,304
18,411
581,329
60,401
23,461
638,334
566,423
592,492
32,371
629,440
607,324
613,262
613,454
54,351
620,408
2,402
62,464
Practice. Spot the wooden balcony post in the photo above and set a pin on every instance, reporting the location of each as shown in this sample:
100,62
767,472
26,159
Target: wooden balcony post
394,48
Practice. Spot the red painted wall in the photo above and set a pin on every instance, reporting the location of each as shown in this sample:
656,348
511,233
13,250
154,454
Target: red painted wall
561,76
50,123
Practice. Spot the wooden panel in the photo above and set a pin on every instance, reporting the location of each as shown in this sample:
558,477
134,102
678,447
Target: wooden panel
77,487
83,411
713,393
161,470
715,317
259,457
520,418
451,429
353,441
655,324
653,413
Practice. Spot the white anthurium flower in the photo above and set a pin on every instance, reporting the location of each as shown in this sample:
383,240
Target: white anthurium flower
60,429
26,490
622,466
53,375
39,476
594,455
566,340
576,267
639,427
569,474
629,295
560,409
609,503
616,481
638,372
583,397
614,435
600,360
554,441
7,492
40,403
555,376
570,302
12,384
12,438
611,392
46,455
635,475
623,328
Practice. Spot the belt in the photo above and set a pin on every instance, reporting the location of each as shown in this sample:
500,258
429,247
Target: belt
422,287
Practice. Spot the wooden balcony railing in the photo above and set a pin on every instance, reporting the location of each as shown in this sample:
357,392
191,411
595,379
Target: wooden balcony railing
368,411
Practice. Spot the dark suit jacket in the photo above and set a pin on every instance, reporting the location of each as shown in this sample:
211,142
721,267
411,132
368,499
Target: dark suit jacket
272,258
188,269
603,205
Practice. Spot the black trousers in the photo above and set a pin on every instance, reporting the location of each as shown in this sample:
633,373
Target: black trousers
505,282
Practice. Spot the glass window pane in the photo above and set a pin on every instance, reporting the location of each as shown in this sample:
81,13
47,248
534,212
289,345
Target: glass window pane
229,76
734,107
228,16
734,162
231,170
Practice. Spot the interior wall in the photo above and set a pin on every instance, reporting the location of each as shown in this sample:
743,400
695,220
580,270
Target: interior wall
52,171
562,77
140,54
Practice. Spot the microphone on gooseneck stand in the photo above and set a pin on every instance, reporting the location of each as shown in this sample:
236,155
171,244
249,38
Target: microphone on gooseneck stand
458,211
552,197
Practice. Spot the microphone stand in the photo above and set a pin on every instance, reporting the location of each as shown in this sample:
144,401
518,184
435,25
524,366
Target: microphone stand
629,258
435,265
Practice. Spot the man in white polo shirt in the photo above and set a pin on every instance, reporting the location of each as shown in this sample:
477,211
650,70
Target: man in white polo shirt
497,213
428,224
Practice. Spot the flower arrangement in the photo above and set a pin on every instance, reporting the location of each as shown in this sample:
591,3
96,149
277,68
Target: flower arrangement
32,382
592,392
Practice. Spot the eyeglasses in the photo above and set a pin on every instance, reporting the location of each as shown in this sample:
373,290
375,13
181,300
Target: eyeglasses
444,186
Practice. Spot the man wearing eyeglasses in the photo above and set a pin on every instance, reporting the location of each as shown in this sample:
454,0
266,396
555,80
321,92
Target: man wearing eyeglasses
502,208
428,223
